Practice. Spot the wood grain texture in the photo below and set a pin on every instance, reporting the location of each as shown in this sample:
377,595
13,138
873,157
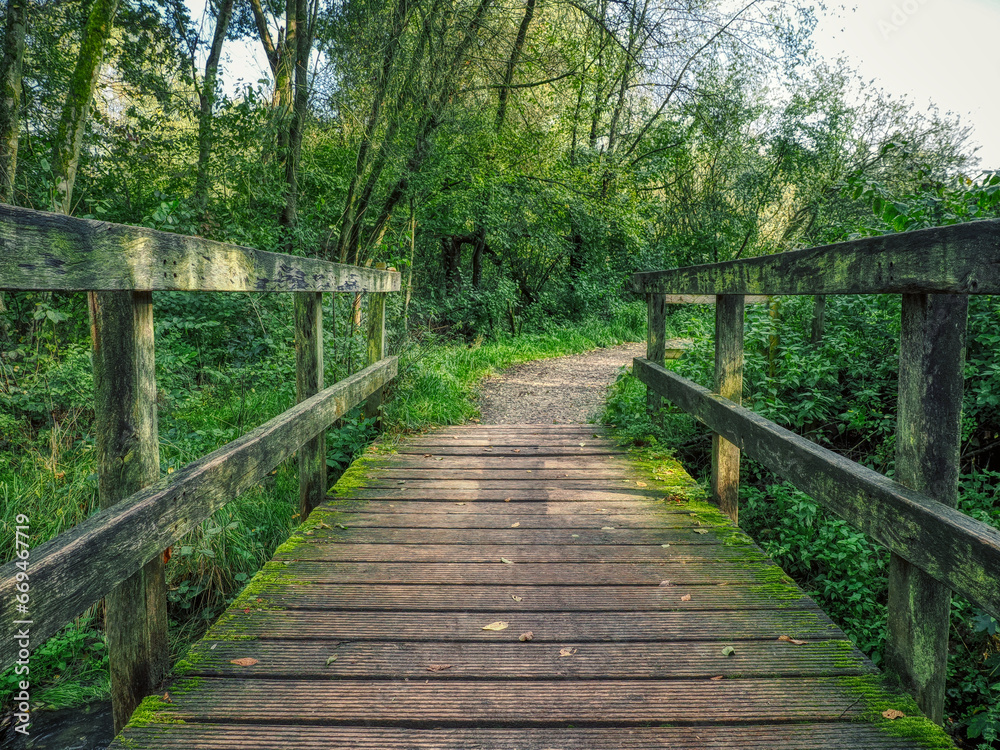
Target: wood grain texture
46,251
368,630
376,350
959,259
728,384
80,566
928,439
951,547
309,382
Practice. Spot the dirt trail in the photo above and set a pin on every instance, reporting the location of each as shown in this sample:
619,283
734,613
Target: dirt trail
564,390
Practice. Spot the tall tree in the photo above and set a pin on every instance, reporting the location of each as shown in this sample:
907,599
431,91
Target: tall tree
10,99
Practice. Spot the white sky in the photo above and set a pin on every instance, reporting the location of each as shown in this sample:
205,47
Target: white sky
941,51
945,51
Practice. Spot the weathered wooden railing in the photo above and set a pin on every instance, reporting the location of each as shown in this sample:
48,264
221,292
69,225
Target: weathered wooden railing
935,549
117,553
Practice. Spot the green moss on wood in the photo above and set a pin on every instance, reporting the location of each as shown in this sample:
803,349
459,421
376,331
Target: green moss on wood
152,710
875,697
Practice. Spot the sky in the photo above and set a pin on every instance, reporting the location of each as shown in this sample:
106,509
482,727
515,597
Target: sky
941,51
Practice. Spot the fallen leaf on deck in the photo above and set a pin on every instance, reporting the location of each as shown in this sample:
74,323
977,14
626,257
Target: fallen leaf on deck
427,455
526,636
517,598
505,560
789,639
517,450
246,661
515,525
607,528
686,598
166,698
438,667
717,677
575,536
728,651
341,526
459,503
567,651
640,484
528,471
506,499
892,714
582,445
663,584
331,659
700,531
497,626
664,546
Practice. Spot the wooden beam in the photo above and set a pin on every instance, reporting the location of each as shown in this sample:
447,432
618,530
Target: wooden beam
81,565
656,335
46,251
728,384
709,299
959,259
376,349
128,459
928,439
309,382
951,547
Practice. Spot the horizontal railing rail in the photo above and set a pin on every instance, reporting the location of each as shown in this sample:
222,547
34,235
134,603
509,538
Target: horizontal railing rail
52,252
117,553
935,549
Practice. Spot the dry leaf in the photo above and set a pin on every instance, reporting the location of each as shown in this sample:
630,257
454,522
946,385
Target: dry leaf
517,450
664,584
527,471
717,677
526,636
515,525
728,651
582,444
567,651
575,536
607,528
640,484
166,698
438,667
506,499
459,503
892,714
505,560
331,659
686,598
789,639
517,598
497,626
246,661
427,455
700,531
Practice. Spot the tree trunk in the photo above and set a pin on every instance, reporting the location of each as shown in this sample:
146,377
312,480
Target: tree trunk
515,53
409,270
76,111
10,101
207,97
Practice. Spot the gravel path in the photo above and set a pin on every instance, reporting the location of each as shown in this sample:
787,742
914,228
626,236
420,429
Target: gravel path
564,390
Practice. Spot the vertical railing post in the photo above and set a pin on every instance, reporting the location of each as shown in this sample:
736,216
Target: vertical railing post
376,347
728,384
928,432
656,341
309,382
128,459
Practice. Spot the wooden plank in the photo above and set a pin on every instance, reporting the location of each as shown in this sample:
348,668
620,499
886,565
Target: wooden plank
840,735
80,566
46,251
510,661
285,593
579,574
928,439
953,548
542,499
309,382
465,518
432,473
445,463
128,459
319,549
959,259
709,299
445,448
547,627
728,384
656,334
375,349
541,703
594,534
526,481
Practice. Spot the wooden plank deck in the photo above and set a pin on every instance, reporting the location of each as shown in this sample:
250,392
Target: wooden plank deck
367,628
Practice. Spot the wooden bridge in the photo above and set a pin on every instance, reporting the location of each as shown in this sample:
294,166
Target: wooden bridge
511,587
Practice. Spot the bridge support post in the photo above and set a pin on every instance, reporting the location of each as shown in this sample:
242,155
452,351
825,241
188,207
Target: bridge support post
376,347
128,459
309,382
656,342
728,384
928,434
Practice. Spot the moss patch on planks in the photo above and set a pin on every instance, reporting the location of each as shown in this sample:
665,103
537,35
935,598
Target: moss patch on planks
876,696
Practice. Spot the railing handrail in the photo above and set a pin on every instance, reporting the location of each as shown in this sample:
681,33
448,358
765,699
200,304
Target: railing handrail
934,548
957,259
53,252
